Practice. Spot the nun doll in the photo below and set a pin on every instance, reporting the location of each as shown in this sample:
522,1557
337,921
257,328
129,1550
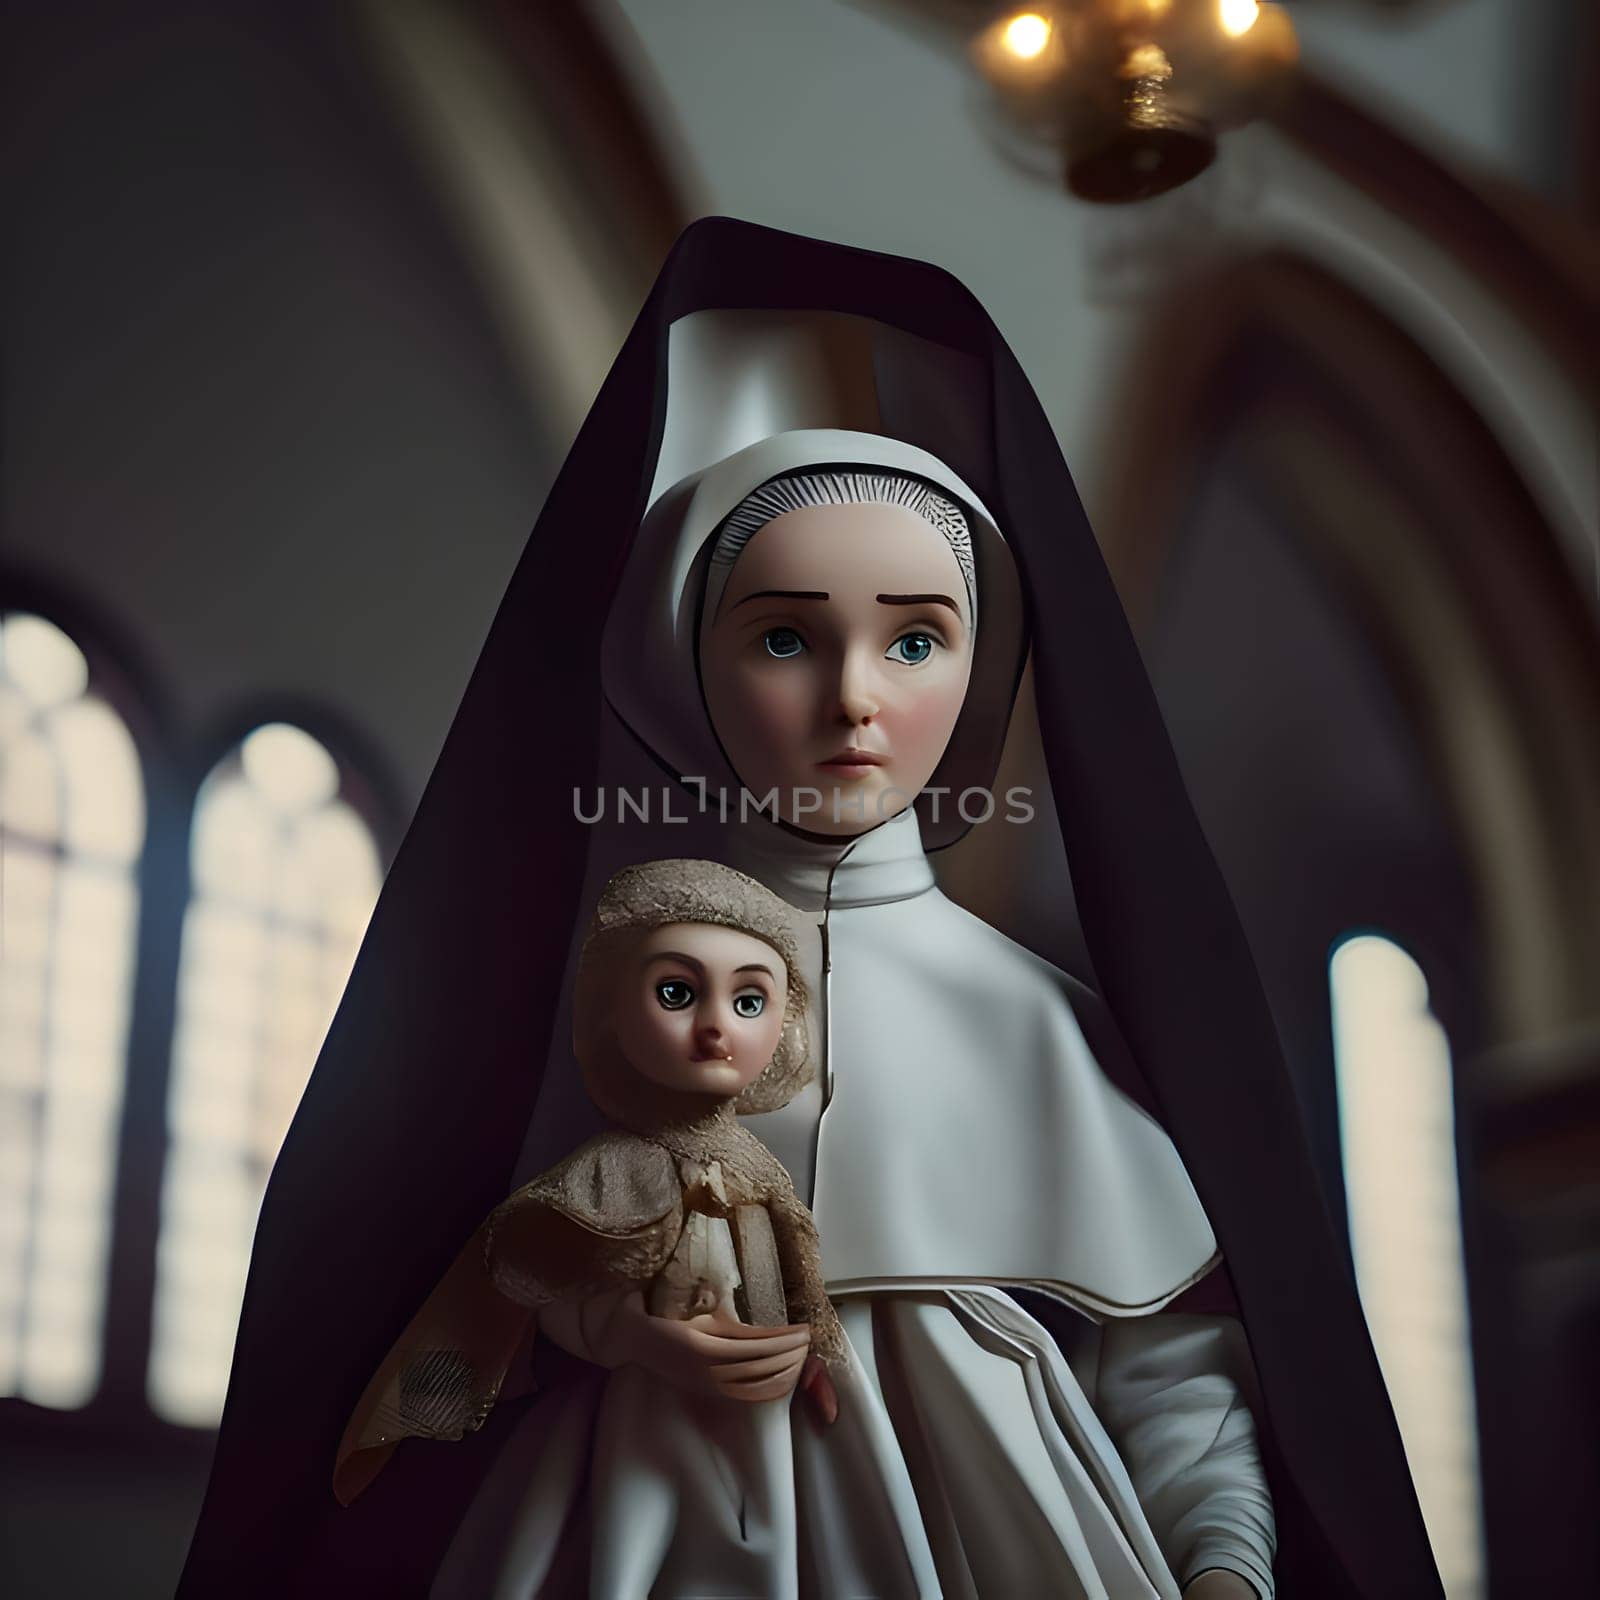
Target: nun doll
800,628
1099,1339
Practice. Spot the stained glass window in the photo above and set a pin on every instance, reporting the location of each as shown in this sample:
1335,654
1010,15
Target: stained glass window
1397,1124
72,828
285,875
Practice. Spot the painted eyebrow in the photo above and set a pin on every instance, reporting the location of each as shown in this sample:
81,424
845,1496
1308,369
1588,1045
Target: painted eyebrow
822,594
677,955
920,599
781,594
689,961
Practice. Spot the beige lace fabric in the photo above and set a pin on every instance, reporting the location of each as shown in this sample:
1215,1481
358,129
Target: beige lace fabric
613,1212
580,1229
443,1375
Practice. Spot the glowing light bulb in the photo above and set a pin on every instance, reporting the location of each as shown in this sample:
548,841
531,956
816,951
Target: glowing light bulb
1025,36
1238,16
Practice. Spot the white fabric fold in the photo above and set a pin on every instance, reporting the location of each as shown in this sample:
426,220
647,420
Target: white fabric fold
967,1463
1171,1391
968,1133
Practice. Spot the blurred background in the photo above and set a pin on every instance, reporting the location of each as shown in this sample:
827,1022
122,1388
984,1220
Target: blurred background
303,305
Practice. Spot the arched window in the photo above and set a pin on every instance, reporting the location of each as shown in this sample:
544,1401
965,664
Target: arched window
284,878
72,827
1397,1127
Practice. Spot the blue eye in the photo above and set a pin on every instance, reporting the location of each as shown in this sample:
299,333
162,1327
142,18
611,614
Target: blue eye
674,994
749,1005
918,648
782,643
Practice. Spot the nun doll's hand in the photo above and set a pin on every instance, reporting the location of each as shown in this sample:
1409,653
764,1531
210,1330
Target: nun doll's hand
708,1354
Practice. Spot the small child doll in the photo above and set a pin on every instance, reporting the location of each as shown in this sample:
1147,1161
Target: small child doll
689,1008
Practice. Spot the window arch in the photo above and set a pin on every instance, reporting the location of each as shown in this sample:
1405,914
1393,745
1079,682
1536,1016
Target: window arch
1397,1132
284,877
72,830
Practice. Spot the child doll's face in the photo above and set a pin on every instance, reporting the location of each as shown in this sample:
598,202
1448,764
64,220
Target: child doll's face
700,1008
842,629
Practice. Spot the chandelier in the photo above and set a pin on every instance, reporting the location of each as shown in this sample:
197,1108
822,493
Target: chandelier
1128,96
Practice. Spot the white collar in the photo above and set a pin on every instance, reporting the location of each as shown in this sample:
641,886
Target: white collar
885,863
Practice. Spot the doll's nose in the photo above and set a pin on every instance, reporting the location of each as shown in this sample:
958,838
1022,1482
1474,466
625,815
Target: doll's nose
710,1040
857,699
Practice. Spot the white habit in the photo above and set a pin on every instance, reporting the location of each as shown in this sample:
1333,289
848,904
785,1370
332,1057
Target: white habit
962,1136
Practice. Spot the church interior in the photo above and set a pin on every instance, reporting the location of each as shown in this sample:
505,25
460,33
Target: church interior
304,308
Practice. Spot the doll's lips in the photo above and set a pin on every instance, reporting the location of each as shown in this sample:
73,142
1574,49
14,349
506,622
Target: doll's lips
853,757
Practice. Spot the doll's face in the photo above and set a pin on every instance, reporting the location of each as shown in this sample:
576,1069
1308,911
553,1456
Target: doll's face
837,662
700,1008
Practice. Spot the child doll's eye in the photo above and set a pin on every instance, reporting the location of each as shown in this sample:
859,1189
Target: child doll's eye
749,1005
674,994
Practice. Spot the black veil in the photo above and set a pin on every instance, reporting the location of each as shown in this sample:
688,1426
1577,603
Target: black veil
414,1117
